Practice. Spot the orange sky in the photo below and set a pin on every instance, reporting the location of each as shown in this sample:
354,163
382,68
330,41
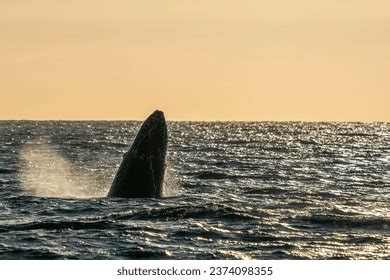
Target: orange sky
195,60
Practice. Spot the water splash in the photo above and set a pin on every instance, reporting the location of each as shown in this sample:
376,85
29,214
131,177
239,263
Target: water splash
46,173
172,184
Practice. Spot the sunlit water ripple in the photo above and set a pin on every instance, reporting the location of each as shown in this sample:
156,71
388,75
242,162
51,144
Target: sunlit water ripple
233,191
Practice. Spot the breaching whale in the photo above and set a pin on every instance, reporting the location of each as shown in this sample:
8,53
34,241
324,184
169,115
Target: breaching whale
141,173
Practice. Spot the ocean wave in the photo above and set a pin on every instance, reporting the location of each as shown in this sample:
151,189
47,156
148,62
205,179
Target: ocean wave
7,171
267,191
62,225
141,253
347,221
201,233
357,134
210,211
365,239
210,175
29,254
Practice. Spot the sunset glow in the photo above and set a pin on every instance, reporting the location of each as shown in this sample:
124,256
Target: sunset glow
195,60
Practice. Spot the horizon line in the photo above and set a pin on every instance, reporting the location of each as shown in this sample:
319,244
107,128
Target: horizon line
197,121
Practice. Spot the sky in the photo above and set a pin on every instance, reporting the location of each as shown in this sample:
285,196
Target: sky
302,60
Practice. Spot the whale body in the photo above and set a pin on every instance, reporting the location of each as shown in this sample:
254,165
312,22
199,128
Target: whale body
141,173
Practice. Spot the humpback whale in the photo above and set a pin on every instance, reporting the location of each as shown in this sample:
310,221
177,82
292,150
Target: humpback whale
141,173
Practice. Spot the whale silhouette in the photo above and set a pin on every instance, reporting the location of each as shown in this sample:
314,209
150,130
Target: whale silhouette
141,173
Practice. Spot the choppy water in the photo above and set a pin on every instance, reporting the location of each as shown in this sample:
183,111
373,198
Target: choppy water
234,191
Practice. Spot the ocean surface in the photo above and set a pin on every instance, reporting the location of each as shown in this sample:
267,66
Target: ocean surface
265,190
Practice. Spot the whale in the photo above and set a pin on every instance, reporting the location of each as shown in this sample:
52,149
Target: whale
141,173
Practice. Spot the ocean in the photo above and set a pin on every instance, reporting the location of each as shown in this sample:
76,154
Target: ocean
233,190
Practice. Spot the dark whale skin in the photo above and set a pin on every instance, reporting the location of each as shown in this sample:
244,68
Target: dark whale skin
141,173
